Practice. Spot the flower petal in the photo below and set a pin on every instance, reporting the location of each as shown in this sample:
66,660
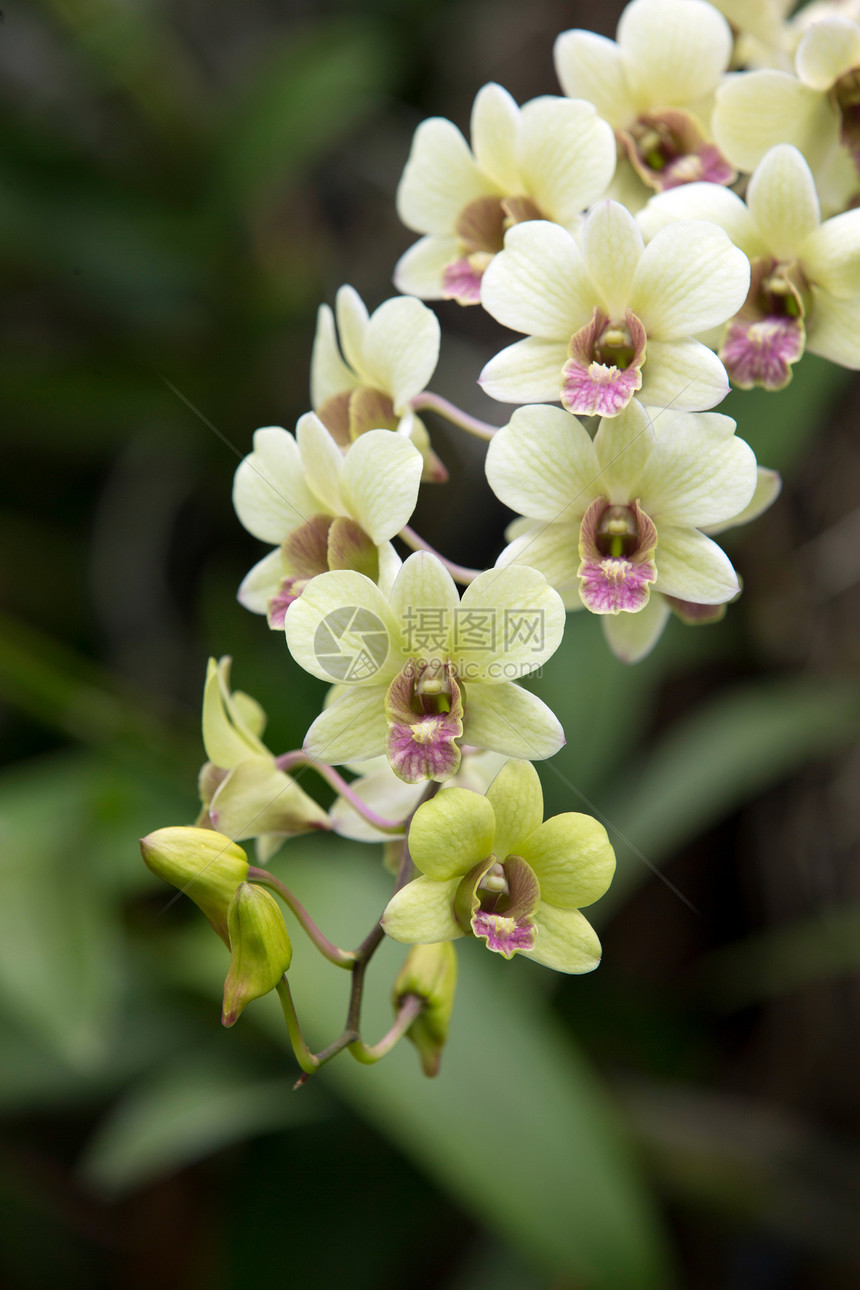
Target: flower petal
684,375
401,348
270,494
510,720
322,461
517,801
566,941
494,127
591,67
351,728
543,464
573,859
385,795
697,474
567,156
755,110
552,549
834,329
623,445
767,489
257,798
329,373
420,270
831,255
674,51
632,636
829,49
692,567
380,481
451,833
690,277
351,325
539,284
440,178
510,622
702,201
421,913
261,582
612,246
341,629
529,371
783,201
424,604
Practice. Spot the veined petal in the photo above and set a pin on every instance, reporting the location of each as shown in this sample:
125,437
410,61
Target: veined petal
419,271
684,375
385,794
694,476
692,567
834,329
401,348
767,489
270,494
539,284
440,178
828,50
755,110
543,464
517,802
341,629
831,255
424,605
591,67
329,373
261,582
689,277
612,246
525,617
380,481
529,371
783,201
351,728
257,798
351,325
510,720
675,51
494,127
567,156
321,461
573,859
632,636
702,201
226,737
553,549
623,445
451,833
566,941
422,913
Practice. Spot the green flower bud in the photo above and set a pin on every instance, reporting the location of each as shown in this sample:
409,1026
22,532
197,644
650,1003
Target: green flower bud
260,949
203,864
430,972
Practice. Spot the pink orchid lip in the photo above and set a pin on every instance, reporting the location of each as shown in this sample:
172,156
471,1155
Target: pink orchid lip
504,935
768,334
604,369
461,281
669,148
496,901
481,227
616,547
424,707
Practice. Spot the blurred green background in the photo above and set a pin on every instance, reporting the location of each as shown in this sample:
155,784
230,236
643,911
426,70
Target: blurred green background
182,184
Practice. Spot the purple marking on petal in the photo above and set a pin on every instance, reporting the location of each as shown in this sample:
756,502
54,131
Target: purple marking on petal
761,352
598,390
461,281
707,165
613,585
504,935
289,590
425,748
616,546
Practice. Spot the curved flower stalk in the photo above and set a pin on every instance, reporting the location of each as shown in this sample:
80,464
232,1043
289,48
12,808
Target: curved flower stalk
550,160
613,519
243,793
491,867
805,279
655,87
610,318
422,671
326,510
391,797
388,358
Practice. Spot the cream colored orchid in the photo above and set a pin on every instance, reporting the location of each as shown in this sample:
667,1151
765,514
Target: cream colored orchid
609,318
420,671
655,87
549,159
388,358
613,519
805,287
491,867
326,510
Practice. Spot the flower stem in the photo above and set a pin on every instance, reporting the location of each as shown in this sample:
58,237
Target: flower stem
340,958
304,1056
367,1054
460,573
472,425
292,760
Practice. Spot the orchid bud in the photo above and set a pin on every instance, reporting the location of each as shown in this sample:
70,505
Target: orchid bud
430,972
202,864
260,949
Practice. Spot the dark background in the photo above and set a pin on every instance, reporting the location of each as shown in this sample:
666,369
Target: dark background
180,186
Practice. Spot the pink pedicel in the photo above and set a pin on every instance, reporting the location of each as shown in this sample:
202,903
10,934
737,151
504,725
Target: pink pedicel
503,934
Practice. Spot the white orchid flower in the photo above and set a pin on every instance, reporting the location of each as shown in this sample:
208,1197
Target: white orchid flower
549,159
325,510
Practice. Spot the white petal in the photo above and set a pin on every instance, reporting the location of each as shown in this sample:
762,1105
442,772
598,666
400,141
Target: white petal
440,178
632,636
539,284
590,67
567,156
322,461
510,622
702,201
510,720
674,50
767,489
553,549
351,728
529,371
494,127
831,255
782,200
261,582
270,494
351,325
694,477
612,246
352,608
422,912
690,277
424,602
401,348
828,50
566,941
756,110
543,464
623,444
329,373
834,329
379,485
682,374
419,270
692,567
